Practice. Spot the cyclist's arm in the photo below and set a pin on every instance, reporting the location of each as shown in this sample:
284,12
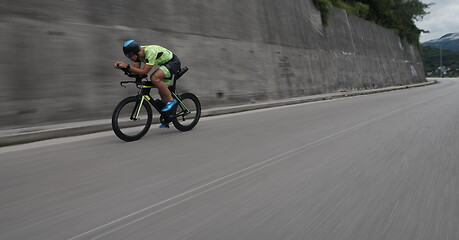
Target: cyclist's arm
135,68
144,71
136,64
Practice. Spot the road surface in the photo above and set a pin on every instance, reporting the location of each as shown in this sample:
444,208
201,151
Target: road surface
381,166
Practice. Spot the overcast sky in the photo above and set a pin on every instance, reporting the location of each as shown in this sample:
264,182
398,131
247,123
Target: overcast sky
443,19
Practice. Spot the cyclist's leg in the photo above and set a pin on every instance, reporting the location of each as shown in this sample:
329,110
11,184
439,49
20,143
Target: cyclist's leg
156,79
169,68
166,96
161,78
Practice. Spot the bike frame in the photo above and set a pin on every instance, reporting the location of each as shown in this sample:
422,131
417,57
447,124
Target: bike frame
133,106
144,94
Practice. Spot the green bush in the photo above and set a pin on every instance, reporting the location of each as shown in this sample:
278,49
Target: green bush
324,8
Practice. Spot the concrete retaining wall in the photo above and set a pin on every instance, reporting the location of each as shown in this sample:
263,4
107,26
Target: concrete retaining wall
57,56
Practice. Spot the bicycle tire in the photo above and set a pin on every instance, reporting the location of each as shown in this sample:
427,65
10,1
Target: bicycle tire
126,128
186,121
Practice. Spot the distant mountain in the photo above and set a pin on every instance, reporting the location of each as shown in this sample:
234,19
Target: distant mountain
449,41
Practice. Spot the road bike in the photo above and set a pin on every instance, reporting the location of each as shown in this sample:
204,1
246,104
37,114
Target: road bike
133,116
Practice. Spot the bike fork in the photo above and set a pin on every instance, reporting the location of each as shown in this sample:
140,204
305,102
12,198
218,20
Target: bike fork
136,111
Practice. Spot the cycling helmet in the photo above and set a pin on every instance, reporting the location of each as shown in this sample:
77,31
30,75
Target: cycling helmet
131,48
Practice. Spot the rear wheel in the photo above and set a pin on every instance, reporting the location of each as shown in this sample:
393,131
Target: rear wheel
123,123
186,114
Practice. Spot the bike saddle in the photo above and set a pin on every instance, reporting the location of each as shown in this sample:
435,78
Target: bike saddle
181,72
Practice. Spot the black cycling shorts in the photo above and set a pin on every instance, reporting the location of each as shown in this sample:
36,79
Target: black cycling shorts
173,66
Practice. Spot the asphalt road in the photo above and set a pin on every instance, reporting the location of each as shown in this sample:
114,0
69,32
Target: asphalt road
381,166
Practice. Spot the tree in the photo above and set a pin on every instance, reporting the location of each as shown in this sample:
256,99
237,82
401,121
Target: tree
396,15
431,59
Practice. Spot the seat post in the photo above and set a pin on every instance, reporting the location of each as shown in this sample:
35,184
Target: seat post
172,87
175,76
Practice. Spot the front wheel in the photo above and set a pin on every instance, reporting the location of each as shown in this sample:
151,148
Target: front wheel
186,113
131,122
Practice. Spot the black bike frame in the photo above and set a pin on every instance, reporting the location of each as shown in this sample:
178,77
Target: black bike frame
144,94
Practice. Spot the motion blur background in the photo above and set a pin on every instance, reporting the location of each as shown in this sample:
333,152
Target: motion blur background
57,57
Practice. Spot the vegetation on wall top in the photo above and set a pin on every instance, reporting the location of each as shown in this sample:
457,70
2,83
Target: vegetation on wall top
396,15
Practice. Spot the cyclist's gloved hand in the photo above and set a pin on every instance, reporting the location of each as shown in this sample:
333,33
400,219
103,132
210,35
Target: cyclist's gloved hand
121,65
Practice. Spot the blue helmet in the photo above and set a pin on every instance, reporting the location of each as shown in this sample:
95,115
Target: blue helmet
131,48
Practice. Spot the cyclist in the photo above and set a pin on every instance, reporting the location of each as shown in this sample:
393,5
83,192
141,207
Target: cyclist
152,55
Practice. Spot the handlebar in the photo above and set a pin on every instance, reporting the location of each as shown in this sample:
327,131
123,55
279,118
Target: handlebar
137,83
133,75
138,78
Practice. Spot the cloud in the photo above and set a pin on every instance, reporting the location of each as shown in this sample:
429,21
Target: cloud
443,19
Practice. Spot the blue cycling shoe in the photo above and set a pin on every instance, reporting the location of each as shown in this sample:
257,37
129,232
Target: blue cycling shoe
169,105
164,126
